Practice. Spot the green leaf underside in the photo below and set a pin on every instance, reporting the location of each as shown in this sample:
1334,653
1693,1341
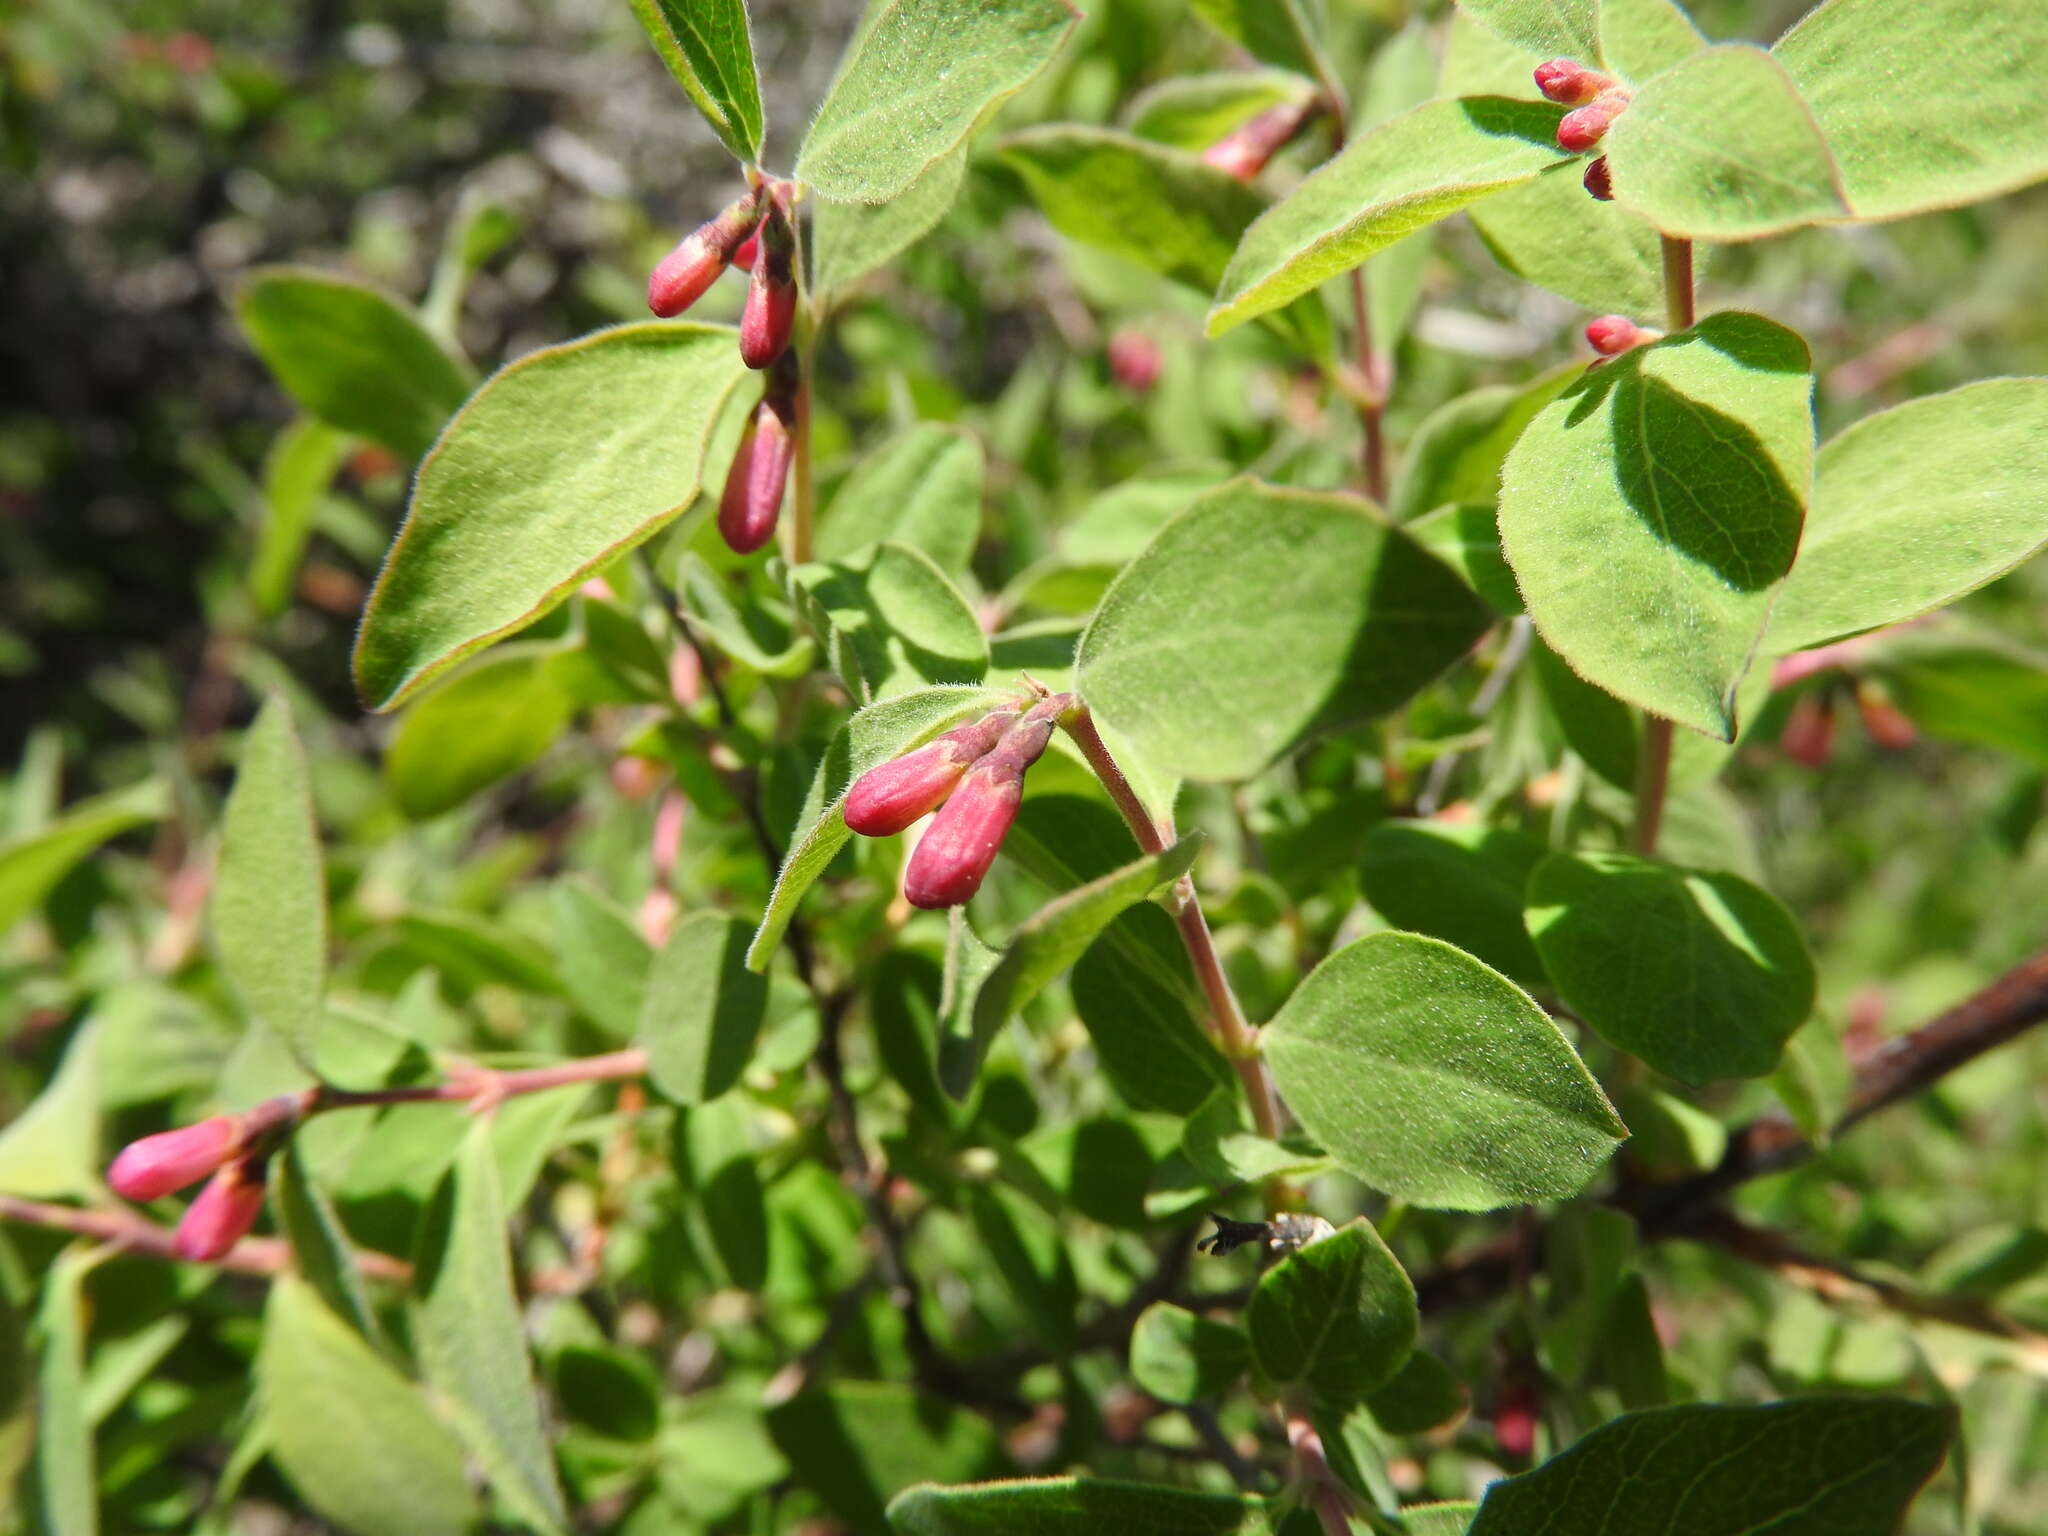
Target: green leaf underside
1722,148
850,240
921,76
1650,513
874,735
1311,613
1915,506
1437,1080
296,473
1181,1358
1642,38
1849,1465
922,489
1194,111
61,1485
1459,883
1437,1519
1702,975
559,463
30,865
706,46
354,1436
1337,1316
1548,28
1978,128
1401,177
269,906
1048,943
702,1009
1550,232
354,357
891,621
1075,1506
1275,31
1165,209
483,724
470,1336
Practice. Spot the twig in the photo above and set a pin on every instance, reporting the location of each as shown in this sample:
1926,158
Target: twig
486,1087
135,1234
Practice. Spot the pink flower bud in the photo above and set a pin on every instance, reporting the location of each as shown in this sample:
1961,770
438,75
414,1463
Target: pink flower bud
889,797
151,1168
749,248
1612,335
1569,83
1808,735
771,297
752,501
1884,720
1134,360
1580,130
1599,180
1514,1420
681,277
955,853
1243,153
223,1214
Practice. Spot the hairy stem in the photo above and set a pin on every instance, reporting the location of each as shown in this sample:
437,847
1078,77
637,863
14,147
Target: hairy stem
488,1087
137,1234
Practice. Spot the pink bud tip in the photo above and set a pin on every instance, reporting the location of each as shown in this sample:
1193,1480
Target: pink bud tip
223,1214
1234,157
1134,360
1808,735
681,276
752,500
151,1168
1569,83
1612,335
1243,153
1884,720
890,796
743,258
1581,129
765,322
954,855
1599,180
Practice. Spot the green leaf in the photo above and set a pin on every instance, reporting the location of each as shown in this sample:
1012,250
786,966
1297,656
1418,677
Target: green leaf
891,622
1024,1247
921,76
355,358
1550,28
1812,1464
560,463
1421,1396
1436,1080
703,1008
1722,148
1467,539
1650,513
1136,994
1181,1358
31,864
1437,1519
750,634
471,950
296,474
612,1391
922,489
1814,1079
1915,506
1076,1506
903,990
1194,111
604,958
1277,31
465,734
1643,38
1702,975
1458,450
1402,176
320,1245
1599,255
354,1436
1985,692
874,735
1979,129
1046,944
1261,615
64,1492
706,46
715,1161
1165,209
1462,884
52,1147
1337,1316
850,240
468,1329
854,1444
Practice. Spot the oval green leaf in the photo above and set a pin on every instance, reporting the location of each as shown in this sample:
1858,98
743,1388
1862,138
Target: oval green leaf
850,240
1337,1317
1181,1358
891,621
921,489
703,1008
480,726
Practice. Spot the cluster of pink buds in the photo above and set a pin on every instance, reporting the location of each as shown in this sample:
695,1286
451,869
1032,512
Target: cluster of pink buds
233,1149
1244,151
1808,734
1596,101
1612,335
973,776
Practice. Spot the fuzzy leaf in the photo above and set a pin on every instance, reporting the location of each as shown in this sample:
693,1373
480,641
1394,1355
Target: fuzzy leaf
706,46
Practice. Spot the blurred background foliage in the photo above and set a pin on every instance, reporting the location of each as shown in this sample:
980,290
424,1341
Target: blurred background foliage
155,150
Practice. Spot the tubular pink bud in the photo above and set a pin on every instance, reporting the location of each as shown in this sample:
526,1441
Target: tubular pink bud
1244,151
1599,180
771,297
681,277
151,1168
1134,360
749,248
1808,735
889,797
1580,130
752,501
1884,720
1569,83
1612,335
224,1212
955,853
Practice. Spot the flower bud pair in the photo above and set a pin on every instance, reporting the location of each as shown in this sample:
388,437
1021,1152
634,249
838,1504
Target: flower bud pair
682,276
770,310
224,1212
752,501
1244,151
1598,100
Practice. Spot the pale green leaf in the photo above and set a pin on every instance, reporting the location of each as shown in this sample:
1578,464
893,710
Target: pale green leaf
706,46
561,462
483,724
715,1157
921,76
51,1148
1180,1358
1077,1506
320,1244
1702,975
1642,38
352,356
1466,537
1650,513
1552,233
62,1481
1277,31
1722,148
891,621
1549,28
850,240
604,958
296,473
1194,111
1261,615
32,863
1457,452
1436,1079
1915,506
703,1008
1337,1317
856,1443
921,489
1437,1519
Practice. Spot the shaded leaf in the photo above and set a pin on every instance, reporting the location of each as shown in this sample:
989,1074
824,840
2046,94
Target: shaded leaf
922,489
850,240
1181,1358
1337,1316
702,1008
482,725
604,958
891,622
1136,993
1194,111
1461,883
296,474
32,863
1458,450
1277,31
855,1444
63,1478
